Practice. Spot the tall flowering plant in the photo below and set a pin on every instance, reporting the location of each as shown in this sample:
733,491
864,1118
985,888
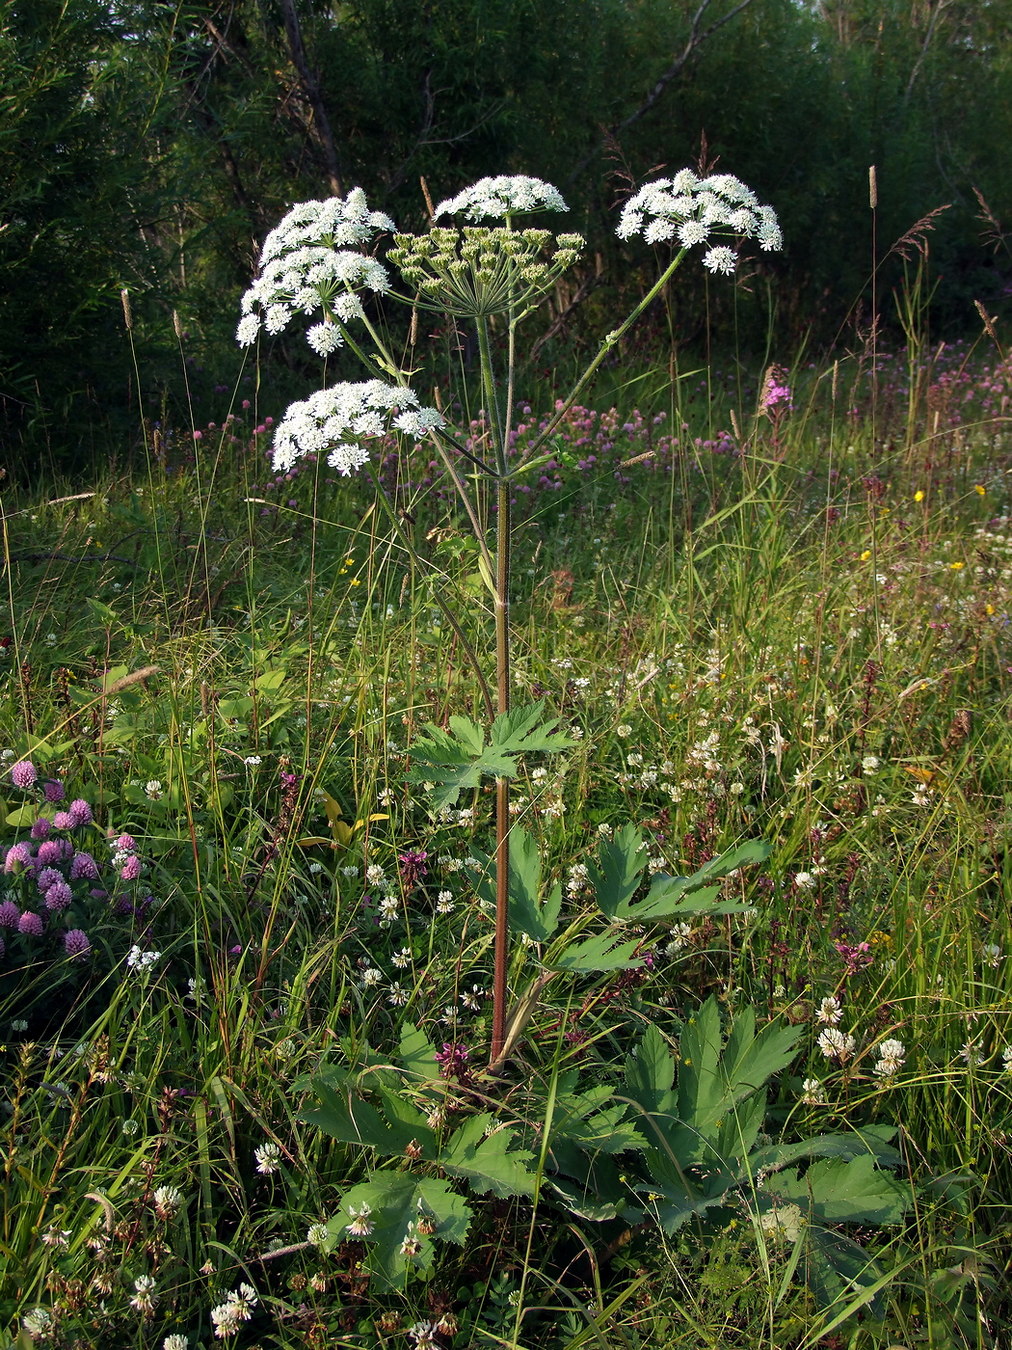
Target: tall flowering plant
482,264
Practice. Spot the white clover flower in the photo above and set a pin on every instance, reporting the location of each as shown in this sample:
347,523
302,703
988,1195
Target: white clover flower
444,902
38,1323
813,1093
167,1201
238,1307
991,954
804,881
836,1044
971,1054
338,420
375,875
360,1225
499,198
143,1299
830,1011
1006,1058
318,1235
175,1342
424,1335
371,977
891,1056
268,1158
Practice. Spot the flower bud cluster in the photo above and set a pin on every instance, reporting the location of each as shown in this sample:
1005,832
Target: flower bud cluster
479,271
307,265
690,210
338,420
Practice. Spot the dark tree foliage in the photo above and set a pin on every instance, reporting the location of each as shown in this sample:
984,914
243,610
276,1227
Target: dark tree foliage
152,143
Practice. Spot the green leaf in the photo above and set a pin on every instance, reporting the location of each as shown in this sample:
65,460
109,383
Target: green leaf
396,1202
603,952
351,1119
650,1073
418,1054
836,1190
459,758
485,1161
671,896
528,913
618,870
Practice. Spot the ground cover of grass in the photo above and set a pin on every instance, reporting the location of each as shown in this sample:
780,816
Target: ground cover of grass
794,629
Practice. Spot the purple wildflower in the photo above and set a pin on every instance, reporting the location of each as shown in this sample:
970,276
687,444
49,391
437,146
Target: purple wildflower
54,792
49,852
452,1060
63,820
75,943
41,827
80,812
856,957
131,869
413,866
17,855
58,897
30,924
125,843
9,914
23,774
46,878
83,867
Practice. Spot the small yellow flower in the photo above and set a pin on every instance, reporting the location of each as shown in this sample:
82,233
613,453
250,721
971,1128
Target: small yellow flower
918,495
989,610
866,555
956,566
980,489
355,581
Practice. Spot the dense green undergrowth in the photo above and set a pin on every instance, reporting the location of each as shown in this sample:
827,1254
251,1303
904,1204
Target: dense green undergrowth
767,1106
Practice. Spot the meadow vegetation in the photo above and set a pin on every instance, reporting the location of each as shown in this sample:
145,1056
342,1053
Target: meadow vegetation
384,965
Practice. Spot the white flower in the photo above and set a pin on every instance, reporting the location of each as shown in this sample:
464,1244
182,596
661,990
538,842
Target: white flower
1006,1057
424,1335
721,259
502,197
143,1299
167,1201
813,1093
444,902
991,954
371,976
38,1323
389,908
175,1342
830,1011
804,881
972,1054
692,209
140,960
375,875
237,1308
252,761
836,1044
153,789
324,338
318,1235
268,1158
336,421
397,997
360,1225
891,1056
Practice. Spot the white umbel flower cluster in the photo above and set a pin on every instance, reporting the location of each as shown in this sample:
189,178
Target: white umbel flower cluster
690,210
337,421
311,261
498,198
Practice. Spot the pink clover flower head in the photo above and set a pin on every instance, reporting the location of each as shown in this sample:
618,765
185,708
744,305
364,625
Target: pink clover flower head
30,924
49,876
18,856
9,914
53,791
49,852
131,869
23,774
58,897
80,812
126,843
63,820
84,867
41,827
76,943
